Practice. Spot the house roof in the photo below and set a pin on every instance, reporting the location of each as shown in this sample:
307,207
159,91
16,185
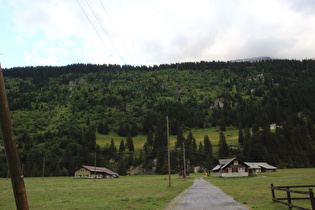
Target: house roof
253,165
99,169
260,165
216,168
225,161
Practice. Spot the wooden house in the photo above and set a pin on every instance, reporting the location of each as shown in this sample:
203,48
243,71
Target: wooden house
257,167
231,168
94,172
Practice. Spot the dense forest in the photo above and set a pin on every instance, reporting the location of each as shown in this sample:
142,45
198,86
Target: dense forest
57,112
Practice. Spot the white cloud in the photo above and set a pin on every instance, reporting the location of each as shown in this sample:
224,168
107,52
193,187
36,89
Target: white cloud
163,31
44,53
18,40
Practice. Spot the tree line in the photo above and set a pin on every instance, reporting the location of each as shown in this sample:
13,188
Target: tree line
57,111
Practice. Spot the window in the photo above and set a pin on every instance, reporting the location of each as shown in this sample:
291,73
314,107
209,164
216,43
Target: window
235,162
241,170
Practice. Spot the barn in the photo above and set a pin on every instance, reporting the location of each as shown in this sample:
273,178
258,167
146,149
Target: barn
231,168
257,167
94,172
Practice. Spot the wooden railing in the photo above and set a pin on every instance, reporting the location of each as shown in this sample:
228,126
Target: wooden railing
289,199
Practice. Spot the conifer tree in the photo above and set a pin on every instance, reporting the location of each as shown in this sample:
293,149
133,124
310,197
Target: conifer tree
150,138
207,146
129,144
121,169
223,147
180,139
122,146
134,129
240,137
112,150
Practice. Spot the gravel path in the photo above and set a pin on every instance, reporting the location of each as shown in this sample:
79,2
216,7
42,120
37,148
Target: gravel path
203,195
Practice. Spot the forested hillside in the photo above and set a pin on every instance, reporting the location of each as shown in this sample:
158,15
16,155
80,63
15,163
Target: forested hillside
58,111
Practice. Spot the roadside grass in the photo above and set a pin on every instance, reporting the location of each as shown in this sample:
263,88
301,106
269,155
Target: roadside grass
255,192
126,192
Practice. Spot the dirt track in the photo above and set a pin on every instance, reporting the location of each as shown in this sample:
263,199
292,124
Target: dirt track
203,195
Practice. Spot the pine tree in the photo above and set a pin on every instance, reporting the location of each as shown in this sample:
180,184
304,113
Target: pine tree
180,139
121,130
150,138
112,150
240,137
134,129
129,144
122,146
223,147
207,145
122,169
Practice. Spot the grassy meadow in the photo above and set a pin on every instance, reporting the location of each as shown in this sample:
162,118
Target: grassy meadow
150,191
126,192
255,192
231,135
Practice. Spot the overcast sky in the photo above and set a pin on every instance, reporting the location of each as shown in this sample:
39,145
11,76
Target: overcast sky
148,32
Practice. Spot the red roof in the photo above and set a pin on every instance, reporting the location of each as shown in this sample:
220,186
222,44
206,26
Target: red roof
99,169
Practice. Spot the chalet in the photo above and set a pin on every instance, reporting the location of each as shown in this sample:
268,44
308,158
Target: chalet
255,168
231,168
91,172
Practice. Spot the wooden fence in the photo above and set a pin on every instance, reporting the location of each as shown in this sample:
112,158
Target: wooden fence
289,199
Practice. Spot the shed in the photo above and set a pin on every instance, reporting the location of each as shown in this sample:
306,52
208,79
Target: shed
94,172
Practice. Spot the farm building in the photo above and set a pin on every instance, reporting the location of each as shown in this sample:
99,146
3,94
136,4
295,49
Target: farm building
91,172
231,168
255,168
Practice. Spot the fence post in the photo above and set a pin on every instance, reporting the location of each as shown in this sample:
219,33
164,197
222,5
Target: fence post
289,198
272,192
312,198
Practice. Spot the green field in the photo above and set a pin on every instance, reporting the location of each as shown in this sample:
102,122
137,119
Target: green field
126,192
149,192
254,191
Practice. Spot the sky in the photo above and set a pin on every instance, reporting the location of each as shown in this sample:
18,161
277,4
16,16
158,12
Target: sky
153,32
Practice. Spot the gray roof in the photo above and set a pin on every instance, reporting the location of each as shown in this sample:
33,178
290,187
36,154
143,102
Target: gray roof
225,161
216,168
253,165
99,169
260,165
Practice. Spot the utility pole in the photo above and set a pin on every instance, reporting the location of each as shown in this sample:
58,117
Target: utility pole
43,174
168,148
95,165
11,150
184,175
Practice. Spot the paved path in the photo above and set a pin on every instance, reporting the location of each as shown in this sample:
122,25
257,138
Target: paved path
203,195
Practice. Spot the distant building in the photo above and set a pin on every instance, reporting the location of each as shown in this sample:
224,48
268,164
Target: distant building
237,168
255,167
91,172
231,168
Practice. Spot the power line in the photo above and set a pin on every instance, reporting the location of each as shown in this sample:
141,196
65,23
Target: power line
102,26
92,25
116,31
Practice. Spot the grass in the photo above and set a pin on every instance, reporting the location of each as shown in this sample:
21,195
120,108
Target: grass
231,135
126,192
254,191
150,192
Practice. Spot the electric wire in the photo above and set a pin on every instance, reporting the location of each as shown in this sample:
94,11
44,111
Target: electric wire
122,42
100,22
92,25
